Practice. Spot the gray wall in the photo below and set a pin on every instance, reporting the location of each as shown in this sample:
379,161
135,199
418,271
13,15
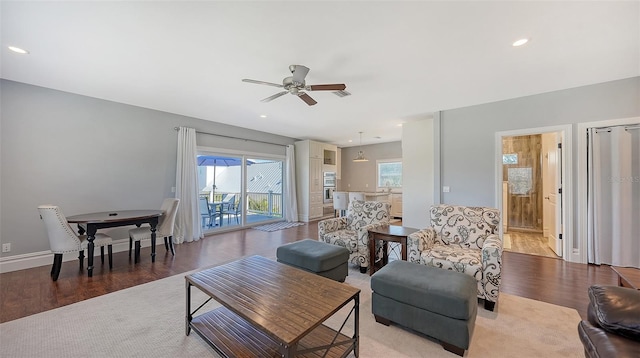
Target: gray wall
467,138
362,176
468,134
85,154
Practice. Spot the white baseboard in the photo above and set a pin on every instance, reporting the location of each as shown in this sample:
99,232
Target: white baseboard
45,258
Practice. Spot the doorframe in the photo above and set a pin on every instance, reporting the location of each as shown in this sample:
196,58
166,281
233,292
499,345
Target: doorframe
568,252
583,175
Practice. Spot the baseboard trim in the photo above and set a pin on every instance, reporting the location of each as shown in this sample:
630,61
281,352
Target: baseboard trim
45,258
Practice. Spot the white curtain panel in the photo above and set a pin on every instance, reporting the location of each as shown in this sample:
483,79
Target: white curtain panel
291,206
188,216
613,233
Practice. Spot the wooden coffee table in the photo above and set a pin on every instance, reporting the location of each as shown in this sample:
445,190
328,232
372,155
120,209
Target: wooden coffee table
627,276
387,233
272,310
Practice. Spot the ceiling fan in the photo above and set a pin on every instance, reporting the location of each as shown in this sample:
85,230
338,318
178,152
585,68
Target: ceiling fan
295,84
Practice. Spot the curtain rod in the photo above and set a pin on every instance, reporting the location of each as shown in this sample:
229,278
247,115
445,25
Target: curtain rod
626,127
232,137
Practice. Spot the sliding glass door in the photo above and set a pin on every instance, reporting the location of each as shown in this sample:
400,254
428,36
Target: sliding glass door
236,190
264,190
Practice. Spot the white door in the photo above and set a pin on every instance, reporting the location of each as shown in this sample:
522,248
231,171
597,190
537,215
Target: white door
552,187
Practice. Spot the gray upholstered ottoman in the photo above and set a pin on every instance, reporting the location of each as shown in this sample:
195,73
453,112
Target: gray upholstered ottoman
315,256
438,303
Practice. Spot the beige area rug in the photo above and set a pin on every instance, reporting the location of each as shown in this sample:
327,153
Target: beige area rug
148,321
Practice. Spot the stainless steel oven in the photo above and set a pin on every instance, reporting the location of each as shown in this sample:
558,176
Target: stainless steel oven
329,179
328,194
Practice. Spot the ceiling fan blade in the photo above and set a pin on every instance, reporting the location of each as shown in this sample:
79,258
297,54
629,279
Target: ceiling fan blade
299,73
271,98
332,87
305,97
262,83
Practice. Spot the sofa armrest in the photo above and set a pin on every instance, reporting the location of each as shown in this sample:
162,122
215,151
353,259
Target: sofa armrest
331,225
599,343
419,241
492,266
615,309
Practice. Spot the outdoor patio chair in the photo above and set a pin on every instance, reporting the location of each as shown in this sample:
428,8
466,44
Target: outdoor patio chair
205,212
233,208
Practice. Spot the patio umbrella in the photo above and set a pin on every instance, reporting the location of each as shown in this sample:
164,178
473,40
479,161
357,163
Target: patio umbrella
215,161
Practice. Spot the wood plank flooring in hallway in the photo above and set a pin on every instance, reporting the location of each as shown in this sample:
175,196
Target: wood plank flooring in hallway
529,243
30,291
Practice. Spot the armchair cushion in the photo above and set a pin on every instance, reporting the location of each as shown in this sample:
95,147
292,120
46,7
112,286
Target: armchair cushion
452,258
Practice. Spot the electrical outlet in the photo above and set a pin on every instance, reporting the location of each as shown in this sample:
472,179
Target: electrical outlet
6,247
446,189
173,189
366,185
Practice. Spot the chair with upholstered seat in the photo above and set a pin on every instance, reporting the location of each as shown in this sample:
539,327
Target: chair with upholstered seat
352,231
63,239
164,229
464,239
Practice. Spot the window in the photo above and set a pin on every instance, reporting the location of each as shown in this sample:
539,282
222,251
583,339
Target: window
510,158
389,173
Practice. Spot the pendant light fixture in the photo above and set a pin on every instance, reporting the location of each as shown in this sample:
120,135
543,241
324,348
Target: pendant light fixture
360,157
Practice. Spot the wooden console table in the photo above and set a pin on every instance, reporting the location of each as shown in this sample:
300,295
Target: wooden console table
272,310
627,276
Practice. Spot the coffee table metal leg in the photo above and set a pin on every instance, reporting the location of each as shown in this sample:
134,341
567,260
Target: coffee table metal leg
356,328
188,313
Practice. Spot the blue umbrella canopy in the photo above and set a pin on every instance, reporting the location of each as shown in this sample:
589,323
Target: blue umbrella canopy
214,161
219,161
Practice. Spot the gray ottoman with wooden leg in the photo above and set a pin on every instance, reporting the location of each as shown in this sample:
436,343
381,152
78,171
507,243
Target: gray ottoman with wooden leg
438,303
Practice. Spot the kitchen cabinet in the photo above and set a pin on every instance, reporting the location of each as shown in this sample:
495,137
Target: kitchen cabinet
396,205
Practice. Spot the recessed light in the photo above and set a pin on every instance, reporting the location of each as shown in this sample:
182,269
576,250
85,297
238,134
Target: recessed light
263,116
399,124
350,140
520,42
18,50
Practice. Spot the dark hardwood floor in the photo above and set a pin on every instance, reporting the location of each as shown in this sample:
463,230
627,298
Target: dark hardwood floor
30,291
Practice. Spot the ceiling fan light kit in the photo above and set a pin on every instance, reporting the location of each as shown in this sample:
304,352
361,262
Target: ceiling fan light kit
295,84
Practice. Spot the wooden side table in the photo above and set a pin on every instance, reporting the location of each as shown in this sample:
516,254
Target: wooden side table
387,233
627,276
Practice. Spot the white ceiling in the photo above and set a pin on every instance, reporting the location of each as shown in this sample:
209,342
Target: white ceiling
400,60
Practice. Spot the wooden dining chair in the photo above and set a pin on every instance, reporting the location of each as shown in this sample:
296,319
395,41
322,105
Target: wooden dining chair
63,239
164,229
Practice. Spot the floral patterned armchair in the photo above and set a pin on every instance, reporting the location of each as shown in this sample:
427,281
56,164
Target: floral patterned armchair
463,239
351,231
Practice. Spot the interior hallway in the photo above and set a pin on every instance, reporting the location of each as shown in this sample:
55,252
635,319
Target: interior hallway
532,243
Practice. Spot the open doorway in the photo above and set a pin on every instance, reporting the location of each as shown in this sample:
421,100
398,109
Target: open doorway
530,179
